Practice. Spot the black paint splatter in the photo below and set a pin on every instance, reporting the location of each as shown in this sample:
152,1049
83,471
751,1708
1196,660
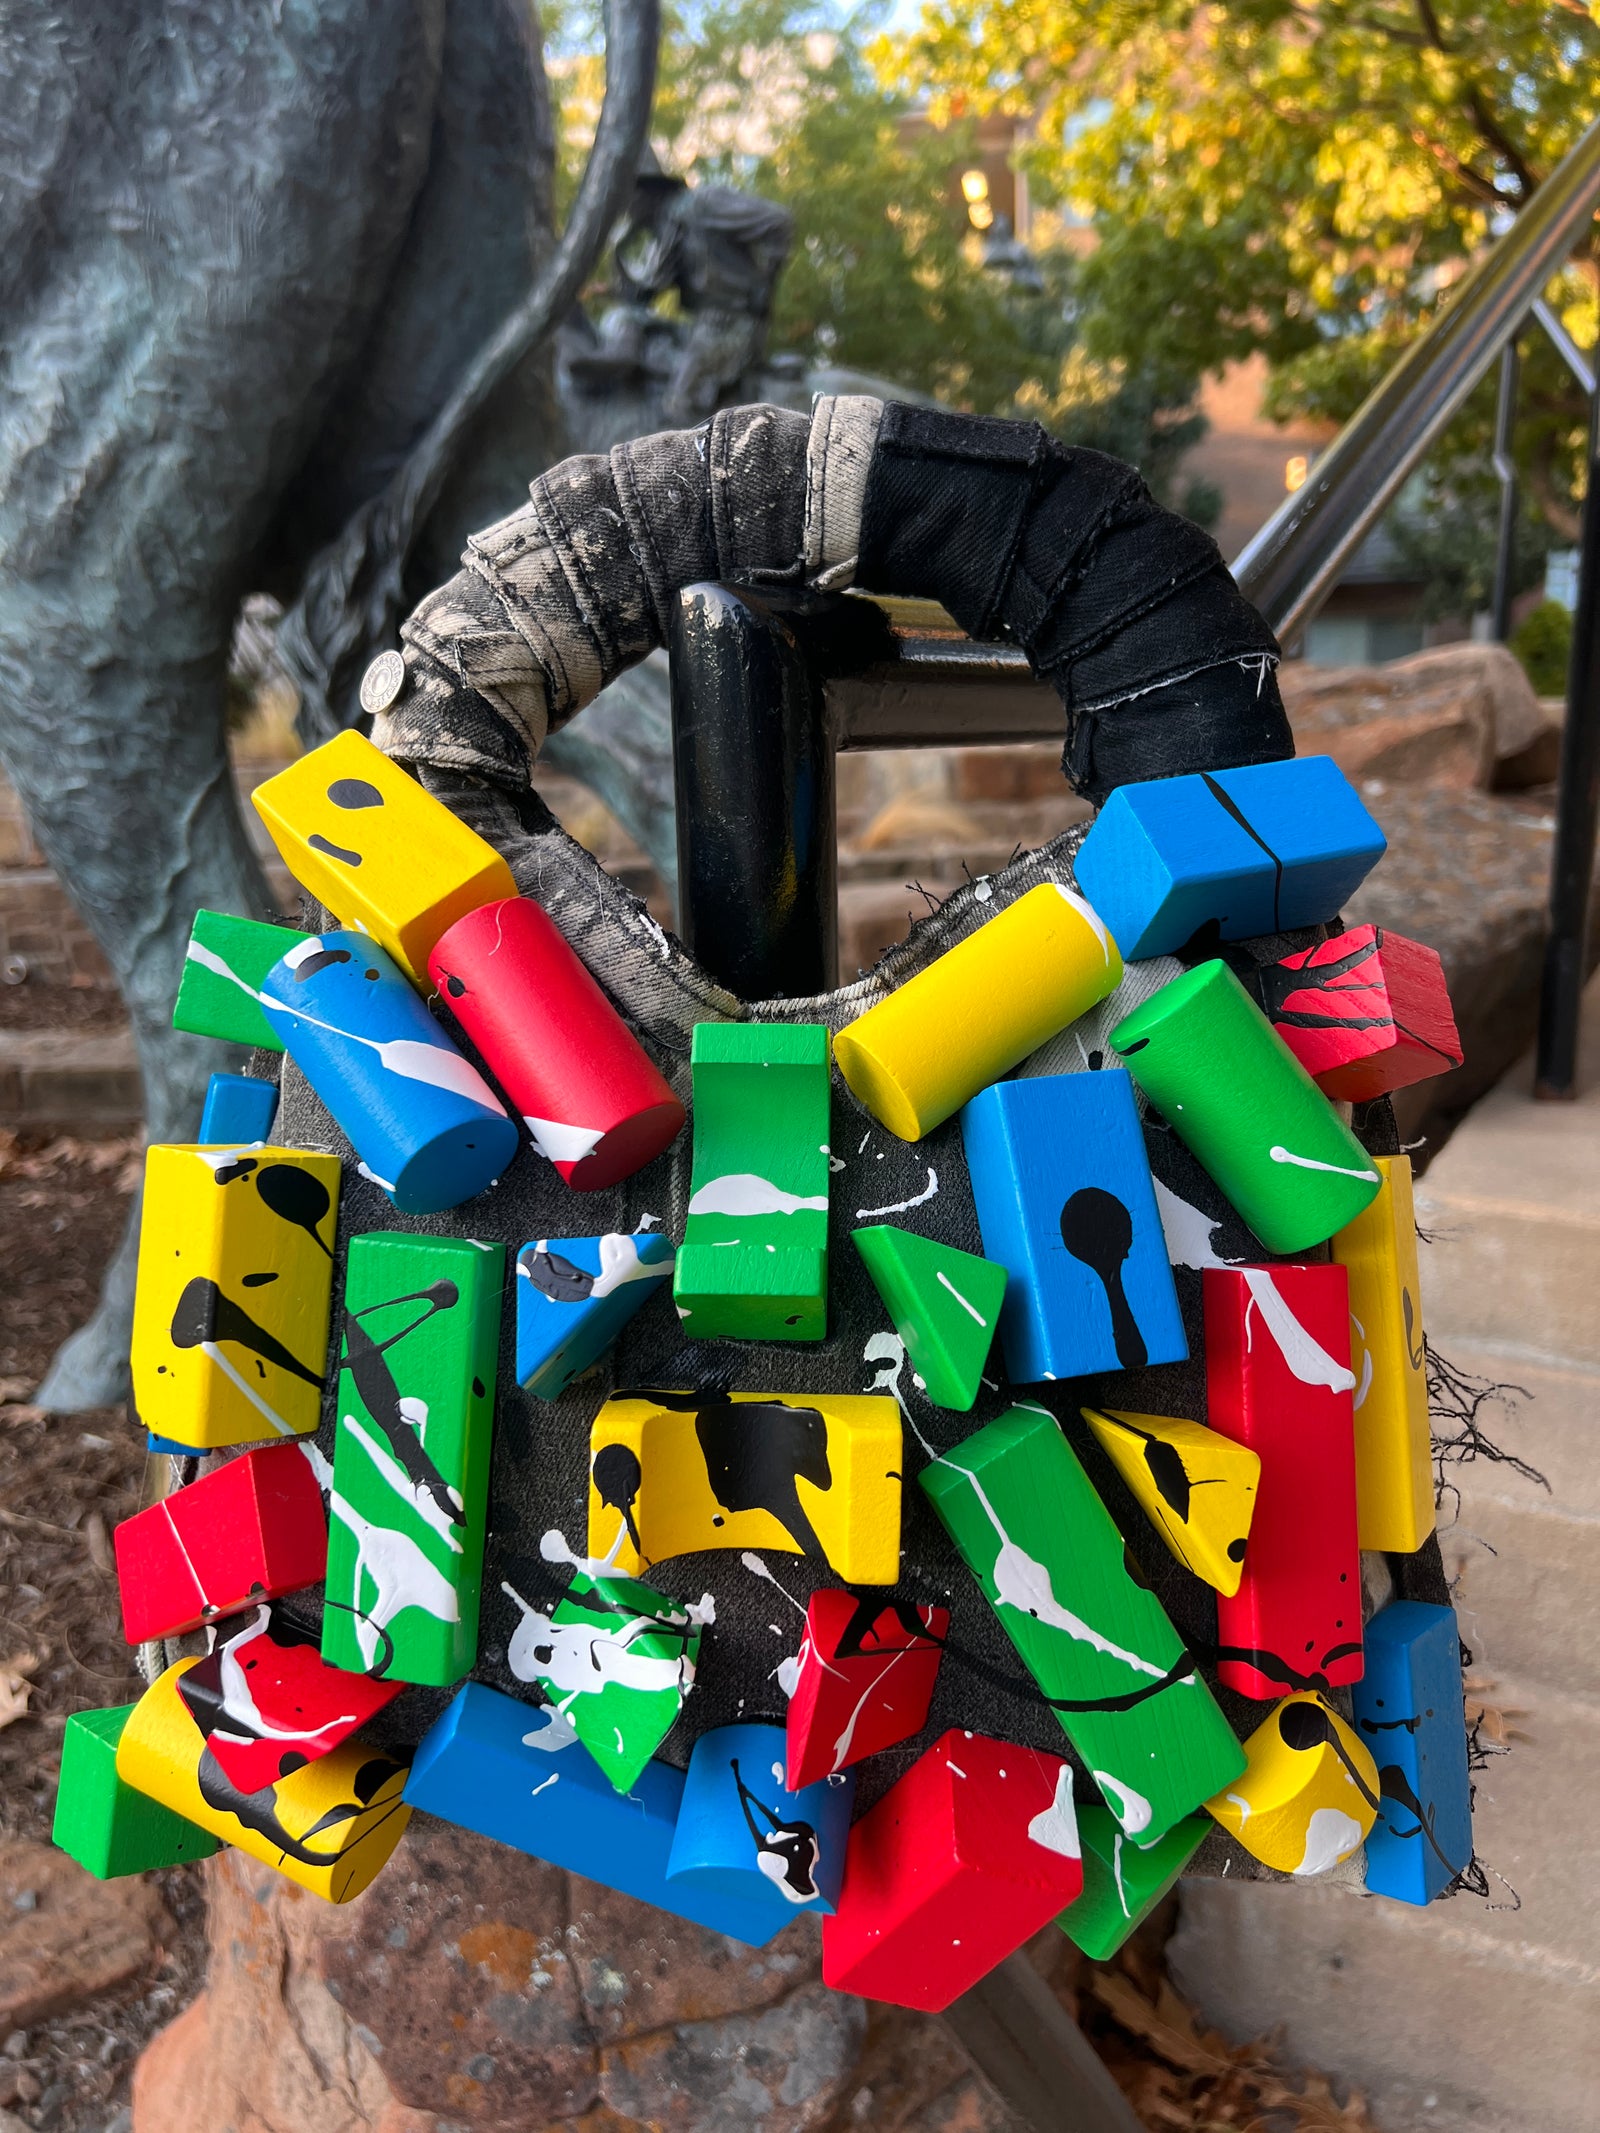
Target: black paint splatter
617,1480
296,1196
794,1843
354,792
203,1314
380,1394
1097,1229
319,843
556,1277
1307,1725
309,965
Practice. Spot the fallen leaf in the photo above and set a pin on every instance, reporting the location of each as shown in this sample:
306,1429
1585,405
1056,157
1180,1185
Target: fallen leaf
15,1687
1169,2029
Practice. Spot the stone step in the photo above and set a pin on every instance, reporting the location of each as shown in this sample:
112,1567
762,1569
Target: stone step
1459,2018
69,1081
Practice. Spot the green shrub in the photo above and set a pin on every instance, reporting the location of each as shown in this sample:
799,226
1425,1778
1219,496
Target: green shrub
1543,642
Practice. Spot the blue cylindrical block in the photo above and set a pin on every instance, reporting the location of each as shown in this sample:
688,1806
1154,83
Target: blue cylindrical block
424,1123
742,1832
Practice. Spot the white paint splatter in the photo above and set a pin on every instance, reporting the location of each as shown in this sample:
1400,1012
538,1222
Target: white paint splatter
743,1193
557,1733
239,1705
888,1350
1331,1835
544,1784
1090,916
373,1178
1307,1359
620,1262
1131,1808
1237,1799
900,1207
242,1384
562,1143
585,1658
1308,1162
1056,1827
1188,1230
971,1309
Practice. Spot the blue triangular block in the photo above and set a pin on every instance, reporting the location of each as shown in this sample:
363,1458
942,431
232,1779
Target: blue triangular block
574,1296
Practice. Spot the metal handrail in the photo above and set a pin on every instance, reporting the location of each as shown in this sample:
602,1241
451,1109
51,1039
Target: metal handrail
1291,565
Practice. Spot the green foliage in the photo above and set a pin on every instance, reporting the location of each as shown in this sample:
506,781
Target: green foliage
1543,642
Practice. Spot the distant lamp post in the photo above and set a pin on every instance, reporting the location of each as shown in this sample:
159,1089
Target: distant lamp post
975,191
1004,253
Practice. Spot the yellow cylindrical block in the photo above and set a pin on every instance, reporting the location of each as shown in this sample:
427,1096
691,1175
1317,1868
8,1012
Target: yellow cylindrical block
330,1825
979,1010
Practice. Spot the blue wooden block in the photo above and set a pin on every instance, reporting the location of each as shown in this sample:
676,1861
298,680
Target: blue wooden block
574,1296
1408,1712
1066,1205
1257,850
239,1110
172,1446
743,1834
424,1123
519,1774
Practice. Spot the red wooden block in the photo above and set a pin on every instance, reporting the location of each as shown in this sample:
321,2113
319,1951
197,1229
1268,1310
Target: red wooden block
268,1705
865,1681
1364,1013
959,1863
251,1530
592,1100
1278,1378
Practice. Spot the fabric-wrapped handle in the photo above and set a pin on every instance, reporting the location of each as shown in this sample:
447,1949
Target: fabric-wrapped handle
1124,607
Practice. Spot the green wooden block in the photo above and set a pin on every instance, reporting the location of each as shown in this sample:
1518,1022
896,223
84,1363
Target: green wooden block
945,1305
616,1659
104,1824
1034,1533
411,1456
1222,1077
753,1264
1122,1882
223,967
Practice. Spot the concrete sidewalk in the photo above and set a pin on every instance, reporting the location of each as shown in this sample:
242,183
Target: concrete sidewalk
1472,2017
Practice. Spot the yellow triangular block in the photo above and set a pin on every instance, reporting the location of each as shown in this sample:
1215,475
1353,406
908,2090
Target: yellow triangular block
1310,1791
1196,1488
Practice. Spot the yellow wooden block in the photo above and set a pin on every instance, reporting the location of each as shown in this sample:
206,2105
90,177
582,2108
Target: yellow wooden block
1394,1453
230,1321
1197,1489
1309,1793
382,854
330,1825
818,1475
970,1017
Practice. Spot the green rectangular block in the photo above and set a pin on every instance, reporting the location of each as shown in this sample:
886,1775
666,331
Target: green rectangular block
753,1264
223,967
1122,1881
419,1348
1032,1530
105,1825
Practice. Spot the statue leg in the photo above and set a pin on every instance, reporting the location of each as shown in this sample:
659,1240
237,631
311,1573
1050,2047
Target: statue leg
123,770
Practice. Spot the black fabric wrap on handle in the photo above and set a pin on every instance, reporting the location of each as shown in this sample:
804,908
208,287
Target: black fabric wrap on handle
1125,608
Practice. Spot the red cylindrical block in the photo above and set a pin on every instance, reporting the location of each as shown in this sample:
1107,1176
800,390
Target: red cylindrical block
592,1100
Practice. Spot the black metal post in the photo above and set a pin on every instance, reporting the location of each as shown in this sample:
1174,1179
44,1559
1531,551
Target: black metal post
1577,811
1505,555
758,893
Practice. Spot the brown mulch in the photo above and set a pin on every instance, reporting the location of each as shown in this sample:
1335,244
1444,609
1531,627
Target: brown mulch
31,1005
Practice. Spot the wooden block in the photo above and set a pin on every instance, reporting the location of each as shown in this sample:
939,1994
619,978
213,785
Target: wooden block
520,1776
104,1824
424,1123
574,1296
1122,1882
239,1110
1409,1711
329,1826
1065,1203
754,1260
267,1704
864,1681
383,855
230,1317
1212,1064
1034,1533
979,1010
593,1101
1309,1794
1394,1447
411,1456
171,1446
1365,1013
1258,850
1278,1379
966,1857
741,1832
817,1475
219,994
1196,1488
945,1306
249,1531
616,1661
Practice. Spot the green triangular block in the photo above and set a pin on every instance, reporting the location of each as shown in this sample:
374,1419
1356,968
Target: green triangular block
104,1824
945,1305
624,1659
1121,1883
226,960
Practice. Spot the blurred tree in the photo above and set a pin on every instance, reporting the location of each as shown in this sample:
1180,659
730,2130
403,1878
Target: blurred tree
886,276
